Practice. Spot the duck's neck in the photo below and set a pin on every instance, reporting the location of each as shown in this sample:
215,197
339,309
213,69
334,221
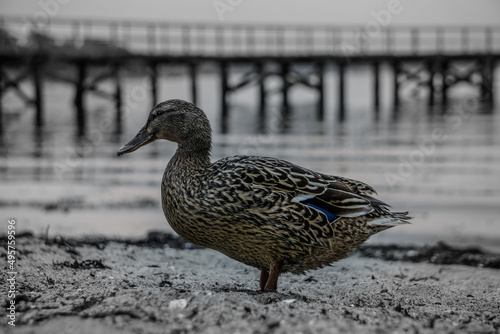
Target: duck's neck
192,157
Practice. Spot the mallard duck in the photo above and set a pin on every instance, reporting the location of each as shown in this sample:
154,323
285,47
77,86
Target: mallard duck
265,212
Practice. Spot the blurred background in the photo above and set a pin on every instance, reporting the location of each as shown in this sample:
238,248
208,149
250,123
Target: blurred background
402,95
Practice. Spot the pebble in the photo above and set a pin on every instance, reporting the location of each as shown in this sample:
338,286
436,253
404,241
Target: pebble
178,304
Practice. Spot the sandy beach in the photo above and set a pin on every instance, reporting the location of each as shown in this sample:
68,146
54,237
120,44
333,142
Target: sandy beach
163,285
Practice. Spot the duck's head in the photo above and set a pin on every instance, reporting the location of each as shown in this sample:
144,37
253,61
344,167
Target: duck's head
175,120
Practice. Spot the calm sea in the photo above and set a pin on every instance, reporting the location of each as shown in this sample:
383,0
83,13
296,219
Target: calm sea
443,167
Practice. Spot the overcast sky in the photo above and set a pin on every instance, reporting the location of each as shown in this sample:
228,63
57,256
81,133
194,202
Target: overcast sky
454,12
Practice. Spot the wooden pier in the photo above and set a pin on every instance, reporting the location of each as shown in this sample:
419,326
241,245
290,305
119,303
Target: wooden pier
93,51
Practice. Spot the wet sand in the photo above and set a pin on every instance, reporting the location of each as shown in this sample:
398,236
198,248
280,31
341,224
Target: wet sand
162,285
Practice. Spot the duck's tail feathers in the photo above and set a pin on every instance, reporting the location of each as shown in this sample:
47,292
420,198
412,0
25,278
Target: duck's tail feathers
390,220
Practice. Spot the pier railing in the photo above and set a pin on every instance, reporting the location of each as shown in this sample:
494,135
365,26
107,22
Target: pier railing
229,40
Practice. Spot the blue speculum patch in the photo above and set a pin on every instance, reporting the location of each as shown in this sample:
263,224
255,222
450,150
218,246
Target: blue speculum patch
329,215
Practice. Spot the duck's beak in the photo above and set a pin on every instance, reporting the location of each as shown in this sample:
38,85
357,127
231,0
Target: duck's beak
140,139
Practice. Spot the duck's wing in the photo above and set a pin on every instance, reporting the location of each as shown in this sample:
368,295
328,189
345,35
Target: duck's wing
334,196
296,203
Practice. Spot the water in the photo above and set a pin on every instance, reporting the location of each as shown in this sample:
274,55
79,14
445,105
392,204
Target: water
443,169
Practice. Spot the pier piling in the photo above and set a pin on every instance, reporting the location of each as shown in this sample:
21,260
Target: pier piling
320,72
224,93
79,96
376,88
431,70
341,92
444,83
396,71
38,98
153,80
262,91
118,98
285,67
193,75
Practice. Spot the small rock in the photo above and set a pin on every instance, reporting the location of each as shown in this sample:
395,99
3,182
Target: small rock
178,304
288,301
274,323
29,316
